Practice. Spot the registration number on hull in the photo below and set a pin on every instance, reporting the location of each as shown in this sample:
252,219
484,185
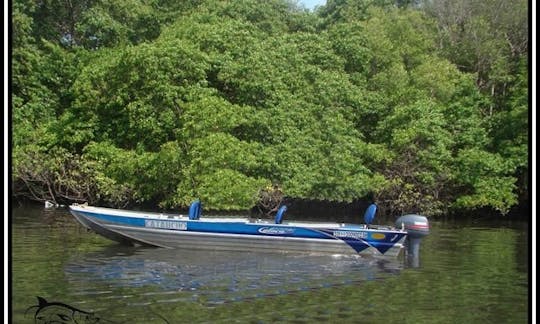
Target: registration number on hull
165,224
350,235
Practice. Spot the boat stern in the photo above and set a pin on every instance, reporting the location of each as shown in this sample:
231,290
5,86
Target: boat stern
417,227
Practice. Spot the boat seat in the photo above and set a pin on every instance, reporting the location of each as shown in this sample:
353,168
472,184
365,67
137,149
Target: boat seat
369,215
195,210
279,215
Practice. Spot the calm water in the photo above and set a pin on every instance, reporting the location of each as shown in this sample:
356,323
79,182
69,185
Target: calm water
468,273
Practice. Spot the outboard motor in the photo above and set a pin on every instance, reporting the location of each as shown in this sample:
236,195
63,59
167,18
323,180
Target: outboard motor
417,227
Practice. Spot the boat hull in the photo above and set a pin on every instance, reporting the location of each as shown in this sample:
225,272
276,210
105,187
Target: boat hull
240,234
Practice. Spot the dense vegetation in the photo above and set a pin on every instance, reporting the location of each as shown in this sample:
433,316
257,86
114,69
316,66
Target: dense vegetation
420,106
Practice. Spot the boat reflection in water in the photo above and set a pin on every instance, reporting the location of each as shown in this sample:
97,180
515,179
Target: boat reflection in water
221,276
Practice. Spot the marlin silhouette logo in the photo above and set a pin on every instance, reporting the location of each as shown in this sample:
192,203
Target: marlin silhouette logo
56,312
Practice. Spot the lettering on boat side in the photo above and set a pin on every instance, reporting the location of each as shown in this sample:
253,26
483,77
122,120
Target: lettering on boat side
166,224
276,230
353,235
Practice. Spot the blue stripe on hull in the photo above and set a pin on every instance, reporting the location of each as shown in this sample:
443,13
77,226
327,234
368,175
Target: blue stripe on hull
222,227
133,221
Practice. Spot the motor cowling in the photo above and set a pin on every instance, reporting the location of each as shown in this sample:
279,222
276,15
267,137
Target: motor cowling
415,225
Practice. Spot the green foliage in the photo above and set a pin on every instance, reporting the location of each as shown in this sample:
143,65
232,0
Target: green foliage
22,23
93,24
112,23
223,189
165,102
484,182
214,157
55,175
510,127
134,96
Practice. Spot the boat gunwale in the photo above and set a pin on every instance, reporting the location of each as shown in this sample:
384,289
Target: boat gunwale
242,220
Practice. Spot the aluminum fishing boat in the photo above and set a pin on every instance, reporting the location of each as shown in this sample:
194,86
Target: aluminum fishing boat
192,231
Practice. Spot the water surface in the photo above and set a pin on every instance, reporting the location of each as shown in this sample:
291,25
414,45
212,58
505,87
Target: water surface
468,273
